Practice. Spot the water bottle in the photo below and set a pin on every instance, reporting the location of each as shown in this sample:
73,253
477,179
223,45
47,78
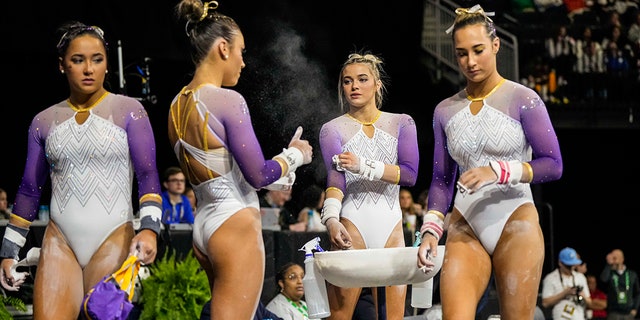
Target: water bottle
43,213
421,294
315,288
310,225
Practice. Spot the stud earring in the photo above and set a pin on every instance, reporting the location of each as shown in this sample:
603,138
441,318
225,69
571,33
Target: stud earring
62,71
226,56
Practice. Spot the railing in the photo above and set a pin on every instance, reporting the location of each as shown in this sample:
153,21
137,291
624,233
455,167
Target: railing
438,16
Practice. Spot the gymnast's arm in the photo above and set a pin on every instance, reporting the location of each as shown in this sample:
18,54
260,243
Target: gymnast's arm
243,144
27,200
143,156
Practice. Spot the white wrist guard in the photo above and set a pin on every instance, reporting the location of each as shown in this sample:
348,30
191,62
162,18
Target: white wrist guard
433,225
508,172
371,169
293,157
14,239
150,216
284,183
331,209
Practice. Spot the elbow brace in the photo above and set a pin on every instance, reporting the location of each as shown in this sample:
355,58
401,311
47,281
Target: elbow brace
508,172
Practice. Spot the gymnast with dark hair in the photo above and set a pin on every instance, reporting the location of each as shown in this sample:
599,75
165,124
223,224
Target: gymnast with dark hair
89,145
368,154
211,131
492,140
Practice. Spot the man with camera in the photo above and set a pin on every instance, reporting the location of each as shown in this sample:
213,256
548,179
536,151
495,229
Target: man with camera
565,290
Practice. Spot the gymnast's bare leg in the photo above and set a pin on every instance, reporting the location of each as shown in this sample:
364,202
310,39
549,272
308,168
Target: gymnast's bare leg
467,267
237,242
60,274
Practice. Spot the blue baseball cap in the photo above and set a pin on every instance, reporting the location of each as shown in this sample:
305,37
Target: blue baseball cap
569,257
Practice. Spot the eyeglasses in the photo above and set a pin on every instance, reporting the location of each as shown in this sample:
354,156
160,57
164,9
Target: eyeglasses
177,180
294,276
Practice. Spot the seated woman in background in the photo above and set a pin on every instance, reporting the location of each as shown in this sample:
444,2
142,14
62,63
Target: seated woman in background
288,303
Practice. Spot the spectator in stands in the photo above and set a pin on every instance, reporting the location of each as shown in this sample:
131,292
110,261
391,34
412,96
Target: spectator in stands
618,72
411,211
5,213
188,191
623,287
560,53
176,207
278,199
597,310
312,200
589,66
565,290
288,303
493,139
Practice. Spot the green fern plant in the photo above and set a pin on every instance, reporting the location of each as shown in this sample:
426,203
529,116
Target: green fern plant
14,302
174,290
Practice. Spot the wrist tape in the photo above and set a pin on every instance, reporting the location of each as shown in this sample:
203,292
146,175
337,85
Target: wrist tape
150,216
331,209
14,239
292,157
432,224
371,169
284,183
508,172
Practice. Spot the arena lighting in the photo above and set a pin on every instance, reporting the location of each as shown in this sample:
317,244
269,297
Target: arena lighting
140,72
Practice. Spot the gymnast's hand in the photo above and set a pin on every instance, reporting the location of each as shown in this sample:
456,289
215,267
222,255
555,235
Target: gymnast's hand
145,246
427,250
347,161
338,234
11,281
475,178
302,145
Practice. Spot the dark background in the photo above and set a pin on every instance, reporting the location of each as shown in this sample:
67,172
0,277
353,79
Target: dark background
294,52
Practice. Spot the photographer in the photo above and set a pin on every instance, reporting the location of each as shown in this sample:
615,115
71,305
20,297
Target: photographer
564,290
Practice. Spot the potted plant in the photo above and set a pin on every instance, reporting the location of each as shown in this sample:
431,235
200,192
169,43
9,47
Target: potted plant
175,289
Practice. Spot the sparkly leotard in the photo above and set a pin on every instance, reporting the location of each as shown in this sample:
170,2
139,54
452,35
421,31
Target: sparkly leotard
372,206
513,124
91,166
239,165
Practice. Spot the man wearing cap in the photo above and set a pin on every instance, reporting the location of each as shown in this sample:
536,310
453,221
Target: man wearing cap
565,290
623,288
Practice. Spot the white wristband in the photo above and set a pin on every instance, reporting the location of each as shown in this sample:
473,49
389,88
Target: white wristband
331,209
371,169
508,172
284,183
293,157
433,225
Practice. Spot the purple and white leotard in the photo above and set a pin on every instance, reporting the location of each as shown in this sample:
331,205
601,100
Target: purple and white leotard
513,124
91,166
372,206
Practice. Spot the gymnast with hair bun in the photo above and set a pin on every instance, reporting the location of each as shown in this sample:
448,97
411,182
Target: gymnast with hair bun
491,140
210,129
89,145
368,154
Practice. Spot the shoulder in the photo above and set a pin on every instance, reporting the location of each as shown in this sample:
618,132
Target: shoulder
207,90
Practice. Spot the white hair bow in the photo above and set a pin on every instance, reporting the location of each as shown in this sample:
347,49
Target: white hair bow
475,9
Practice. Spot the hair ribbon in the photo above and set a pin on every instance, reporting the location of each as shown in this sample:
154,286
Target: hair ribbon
475,9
